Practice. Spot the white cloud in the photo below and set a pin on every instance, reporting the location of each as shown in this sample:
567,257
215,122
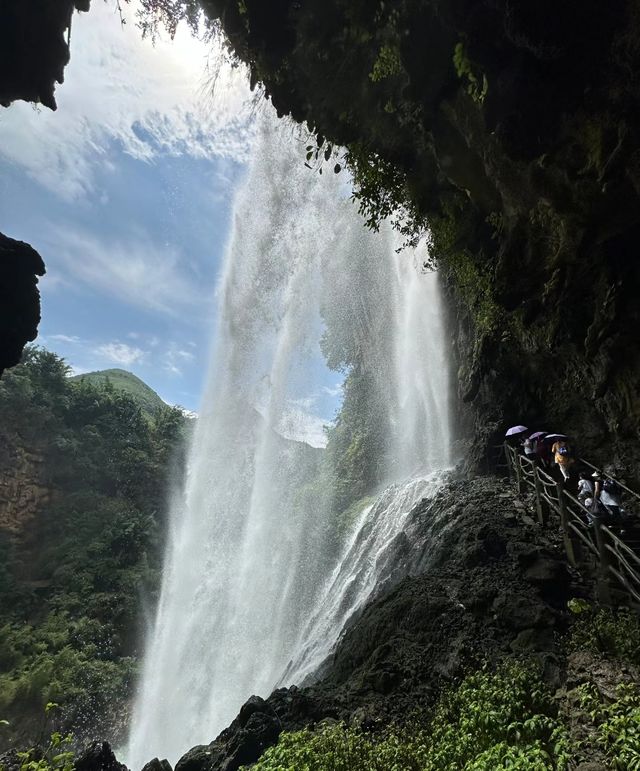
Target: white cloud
149,99
336,391
175,358
131,269
65,338
120,353
73,370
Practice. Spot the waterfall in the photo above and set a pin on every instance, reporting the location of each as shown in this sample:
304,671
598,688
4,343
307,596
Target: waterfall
250,591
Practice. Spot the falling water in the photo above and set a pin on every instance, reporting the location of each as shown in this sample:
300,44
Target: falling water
249,591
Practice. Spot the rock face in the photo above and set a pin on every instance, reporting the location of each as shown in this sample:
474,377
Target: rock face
20,265
98,756
480,584
23,487
34,48
514,128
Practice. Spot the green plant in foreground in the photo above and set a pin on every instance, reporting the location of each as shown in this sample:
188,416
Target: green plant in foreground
56,756
617,724
490,722
614,633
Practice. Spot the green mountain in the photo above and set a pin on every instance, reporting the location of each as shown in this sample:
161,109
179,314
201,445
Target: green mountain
121,380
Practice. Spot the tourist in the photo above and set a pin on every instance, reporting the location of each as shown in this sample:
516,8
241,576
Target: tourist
563,456
529,449
609,493
593,510
543,451
585,488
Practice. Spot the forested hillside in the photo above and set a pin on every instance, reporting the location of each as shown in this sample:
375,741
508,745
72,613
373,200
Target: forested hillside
121,380
84,475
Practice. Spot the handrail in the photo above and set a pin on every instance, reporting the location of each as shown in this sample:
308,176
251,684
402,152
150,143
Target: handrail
608,476
621,545
615,559
625,583
585,540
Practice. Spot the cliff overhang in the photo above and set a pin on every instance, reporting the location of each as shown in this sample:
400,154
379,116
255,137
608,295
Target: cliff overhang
513,129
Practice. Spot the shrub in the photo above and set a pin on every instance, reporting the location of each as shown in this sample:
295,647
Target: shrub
617,724
490,722
614,633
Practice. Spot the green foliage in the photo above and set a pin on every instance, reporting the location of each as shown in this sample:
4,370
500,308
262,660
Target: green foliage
320,153
153,15
614,633
58,755
380,190
476,83
357,442
70,603
617,724
121,380
472,280
387,64
490,722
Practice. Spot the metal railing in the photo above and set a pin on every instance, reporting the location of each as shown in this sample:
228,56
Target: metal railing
585,537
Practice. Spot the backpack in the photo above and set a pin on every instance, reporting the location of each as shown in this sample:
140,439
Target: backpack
612,487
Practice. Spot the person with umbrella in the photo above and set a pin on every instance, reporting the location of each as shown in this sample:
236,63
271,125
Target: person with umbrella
539,450
514,437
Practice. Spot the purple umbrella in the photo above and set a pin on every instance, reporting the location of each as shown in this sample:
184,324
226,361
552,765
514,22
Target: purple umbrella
538,434
516,430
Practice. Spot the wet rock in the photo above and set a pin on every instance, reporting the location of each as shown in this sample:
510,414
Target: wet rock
256,728
518,612
157,765
247,744
98,756
201,758
530,640
10,761
255,704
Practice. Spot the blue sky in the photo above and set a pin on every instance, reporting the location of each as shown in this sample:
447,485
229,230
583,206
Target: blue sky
127,192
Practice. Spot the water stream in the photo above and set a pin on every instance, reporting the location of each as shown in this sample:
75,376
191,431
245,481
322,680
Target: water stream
252,595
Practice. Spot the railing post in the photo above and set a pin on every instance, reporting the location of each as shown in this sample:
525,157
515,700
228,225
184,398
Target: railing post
507,455
564,521
604,592
518,469
538,484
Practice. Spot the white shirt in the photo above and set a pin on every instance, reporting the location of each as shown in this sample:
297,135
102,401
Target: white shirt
608,499
585,486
